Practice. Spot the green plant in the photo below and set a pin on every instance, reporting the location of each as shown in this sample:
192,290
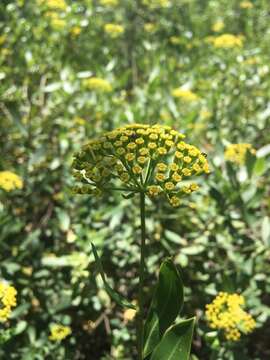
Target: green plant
150,161
51,101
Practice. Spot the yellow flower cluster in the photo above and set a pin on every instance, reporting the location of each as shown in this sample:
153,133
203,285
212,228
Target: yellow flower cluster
114,30
55,4
7,300
98,84
149,158
186,95
226,313
175,40
109,2
157,3
79,121
236,153
205,114
246,5
150,27
58,24
227,41
10,181
75,30
218,26
59,332
55,20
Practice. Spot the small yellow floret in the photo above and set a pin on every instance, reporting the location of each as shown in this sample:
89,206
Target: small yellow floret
169,186
137,169
154,190
175,201
59,332
160,177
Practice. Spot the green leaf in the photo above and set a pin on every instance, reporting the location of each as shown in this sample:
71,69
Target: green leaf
193,250
64,219
128,196
266,230
118,298
250,162
175,238
166,305
20,327
218,196
260,167
176,342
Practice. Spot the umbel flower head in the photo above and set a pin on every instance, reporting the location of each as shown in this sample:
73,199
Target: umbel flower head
227,41
54,4
98,84
109,2
114,30
236,153
153,159
184,94
7,300
10,181
226,313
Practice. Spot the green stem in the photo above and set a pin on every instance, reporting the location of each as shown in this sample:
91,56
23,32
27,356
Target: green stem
140,324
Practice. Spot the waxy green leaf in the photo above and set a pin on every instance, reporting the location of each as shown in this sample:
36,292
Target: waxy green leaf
166,305
176,343
118,298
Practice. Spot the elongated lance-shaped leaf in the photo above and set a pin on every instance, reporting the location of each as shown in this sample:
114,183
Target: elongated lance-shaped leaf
176,342
166,305
118,298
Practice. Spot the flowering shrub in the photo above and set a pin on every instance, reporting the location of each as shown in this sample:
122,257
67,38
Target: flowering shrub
63,80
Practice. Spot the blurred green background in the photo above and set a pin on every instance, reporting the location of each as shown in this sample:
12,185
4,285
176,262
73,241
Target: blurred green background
49,49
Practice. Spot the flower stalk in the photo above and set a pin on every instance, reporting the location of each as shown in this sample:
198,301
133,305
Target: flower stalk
140,326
